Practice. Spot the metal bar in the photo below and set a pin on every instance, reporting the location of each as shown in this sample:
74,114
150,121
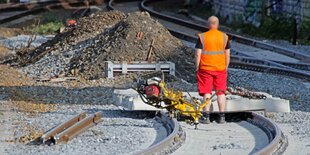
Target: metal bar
137,66
51,133
124,67
142,65
175,135
141,70
77,128
172,69
109,69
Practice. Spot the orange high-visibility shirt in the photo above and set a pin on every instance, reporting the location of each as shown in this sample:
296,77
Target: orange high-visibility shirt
213,56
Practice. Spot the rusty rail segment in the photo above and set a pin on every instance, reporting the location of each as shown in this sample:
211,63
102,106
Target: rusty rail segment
71,128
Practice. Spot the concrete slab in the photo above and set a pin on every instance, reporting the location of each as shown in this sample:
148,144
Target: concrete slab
230,138
129,99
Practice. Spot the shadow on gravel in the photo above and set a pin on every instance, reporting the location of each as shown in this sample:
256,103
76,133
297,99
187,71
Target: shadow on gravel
124,114
58,95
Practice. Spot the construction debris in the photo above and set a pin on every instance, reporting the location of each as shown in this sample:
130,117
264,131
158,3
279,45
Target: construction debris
71,128
245,93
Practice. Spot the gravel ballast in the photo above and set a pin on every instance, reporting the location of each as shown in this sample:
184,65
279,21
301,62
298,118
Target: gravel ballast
119,133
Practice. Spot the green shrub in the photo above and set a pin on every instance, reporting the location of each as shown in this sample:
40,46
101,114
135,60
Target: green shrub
48,28
304,34
272,27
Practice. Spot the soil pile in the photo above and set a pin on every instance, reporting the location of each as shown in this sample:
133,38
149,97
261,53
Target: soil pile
128,40
88,27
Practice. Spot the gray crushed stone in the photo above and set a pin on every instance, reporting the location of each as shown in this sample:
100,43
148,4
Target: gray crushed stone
285,44
21,41
119,133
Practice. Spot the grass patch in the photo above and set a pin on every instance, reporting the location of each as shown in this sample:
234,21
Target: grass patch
275,27
50,24
48,28
271,27
278,26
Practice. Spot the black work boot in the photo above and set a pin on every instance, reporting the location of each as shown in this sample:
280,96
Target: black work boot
222,118
205,119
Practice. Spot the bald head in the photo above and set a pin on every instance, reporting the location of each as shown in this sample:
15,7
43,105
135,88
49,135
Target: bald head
213,22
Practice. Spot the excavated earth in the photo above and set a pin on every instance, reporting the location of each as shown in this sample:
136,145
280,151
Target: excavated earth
85,48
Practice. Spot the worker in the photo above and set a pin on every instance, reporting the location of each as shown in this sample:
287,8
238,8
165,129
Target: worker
212,58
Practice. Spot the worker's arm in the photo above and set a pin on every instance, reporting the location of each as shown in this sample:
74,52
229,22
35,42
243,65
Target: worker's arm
197,58
227,54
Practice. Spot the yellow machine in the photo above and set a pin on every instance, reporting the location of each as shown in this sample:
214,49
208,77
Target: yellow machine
155,93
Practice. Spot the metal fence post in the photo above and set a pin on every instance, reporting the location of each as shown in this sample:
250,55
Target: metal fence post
108,69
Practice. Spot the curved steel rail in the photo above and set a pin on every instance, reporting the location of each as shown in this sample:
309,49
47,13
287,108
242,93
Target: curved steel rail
238,38
175,137
240,62
35,8
277,140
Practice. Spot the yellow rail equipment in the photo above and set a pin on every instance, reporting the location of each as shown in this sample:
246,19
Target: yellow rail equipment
154,92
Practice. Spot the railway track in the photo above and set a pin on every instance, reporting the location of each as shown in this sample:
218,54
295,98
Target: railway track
66,131
277,142
35,8
238,38
239,59
297,70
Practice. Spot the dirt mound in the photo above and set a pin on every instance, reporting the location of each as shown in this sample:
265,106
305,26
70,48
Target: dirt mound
88,27
128,40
